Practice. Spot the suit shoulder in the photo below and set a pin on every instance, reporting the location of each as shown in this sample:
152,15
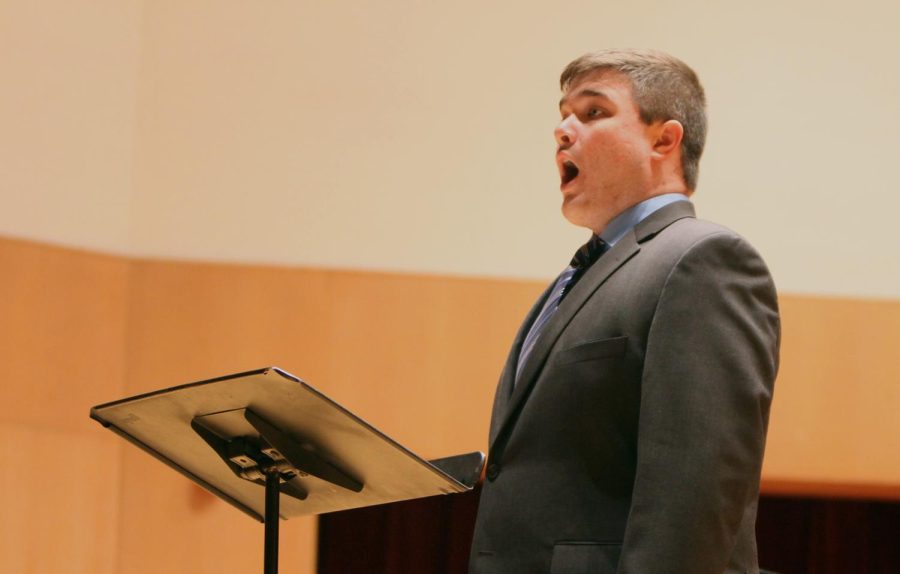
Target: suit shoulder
700,228
691,233
690,242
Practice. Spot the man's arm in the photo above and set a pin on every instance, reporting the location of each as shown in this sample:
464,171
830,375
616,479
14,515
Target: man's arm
710,365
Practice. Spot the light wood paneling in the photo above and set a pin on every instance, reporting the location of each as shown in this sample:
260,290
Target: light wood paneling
62,314
62,339
193,321
834,425
59,501
418,356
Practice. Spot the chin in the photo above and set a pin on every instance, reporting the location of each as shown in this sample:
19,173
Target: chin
576,216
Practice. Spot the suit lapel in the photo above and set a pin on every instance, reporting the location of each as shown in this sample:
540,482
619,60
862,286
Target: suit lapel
507,378
606,266
592,279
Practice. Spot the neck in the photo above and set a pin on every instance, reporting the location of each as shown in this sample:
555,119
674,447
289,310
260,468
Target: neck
667,177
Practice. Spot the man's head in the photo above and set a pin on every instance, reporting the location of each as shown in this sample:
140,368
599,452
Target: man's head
633,126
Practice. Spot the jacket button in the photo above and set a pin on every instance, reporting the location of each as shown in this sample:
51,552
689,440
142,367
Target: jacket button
493,471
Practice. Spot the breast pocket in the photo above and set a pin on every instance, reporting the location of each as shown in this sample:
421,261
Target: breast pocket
585,558
591,350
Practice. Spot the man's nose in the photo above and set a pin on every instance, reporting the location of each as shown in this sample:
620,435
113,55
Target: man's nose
564,134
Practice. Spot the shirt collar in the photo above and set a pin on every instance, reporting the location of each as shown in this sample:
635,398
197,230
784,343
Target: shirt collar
625,221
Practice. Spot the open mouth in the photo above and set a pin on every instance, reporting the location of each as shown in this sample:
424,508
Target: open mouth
568,172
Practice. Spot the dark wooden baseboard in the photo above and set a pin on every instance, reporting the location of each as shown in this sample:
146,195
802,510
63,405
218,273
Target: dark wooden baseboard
796,535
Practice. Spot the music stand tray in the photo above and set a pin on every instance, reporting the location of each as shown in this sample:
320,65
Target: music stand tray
251,437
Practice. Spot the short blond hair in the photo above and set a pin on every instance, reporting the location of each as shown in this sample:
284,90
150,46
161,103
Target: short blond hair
664,88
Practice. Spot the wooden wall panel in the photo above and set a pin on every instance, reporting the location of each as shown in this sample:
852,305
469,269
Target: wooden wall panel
834,427
59,500
189,322
194,321
62,314
418,356
62,339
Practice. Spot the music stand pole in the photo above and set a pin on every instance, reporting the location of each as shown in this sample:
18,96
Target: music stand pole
270,560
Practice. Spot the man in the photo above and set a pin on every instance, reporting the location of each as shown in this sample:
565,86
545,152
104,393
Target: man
629,423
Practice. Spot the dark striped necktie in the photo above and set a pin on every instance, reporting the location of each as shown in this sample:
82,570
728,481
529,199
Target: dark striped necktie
584,258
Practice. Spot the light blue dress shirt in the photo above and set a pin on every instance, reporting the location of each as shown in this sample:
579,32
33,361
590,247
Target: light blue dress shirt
625,221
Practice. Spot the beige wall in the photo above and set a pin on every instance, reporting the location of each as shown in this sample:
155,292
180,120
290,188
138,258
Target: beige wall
426,130
67,120
416,136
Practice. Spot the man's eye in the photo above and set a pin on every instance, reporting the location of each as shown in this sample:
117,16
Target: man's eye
594,112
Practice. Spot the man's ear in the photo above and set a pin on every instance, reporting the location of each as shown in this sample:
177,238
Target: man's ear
668,137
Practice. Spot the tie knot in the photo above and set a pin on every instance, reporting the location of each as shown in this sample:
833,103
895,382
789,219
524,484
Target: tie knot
589,252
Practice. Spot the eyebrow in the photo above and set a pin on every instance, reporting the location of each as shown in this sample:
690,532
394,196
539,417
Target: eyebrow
583,93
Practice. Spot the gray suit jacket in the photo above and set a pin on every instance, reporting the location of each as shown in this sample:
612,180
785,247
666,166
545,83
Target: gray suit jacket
633,440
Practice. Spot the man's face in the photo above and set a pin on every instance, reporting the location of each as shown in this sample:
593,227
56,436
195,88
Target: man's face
604,150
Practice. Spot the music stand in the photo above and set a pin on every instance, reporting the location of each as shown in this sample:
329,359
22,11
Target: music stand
251,437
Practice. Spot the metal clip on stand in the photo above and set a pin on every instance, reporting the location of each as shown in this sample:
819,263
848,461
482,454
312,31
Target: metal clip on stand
272,459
